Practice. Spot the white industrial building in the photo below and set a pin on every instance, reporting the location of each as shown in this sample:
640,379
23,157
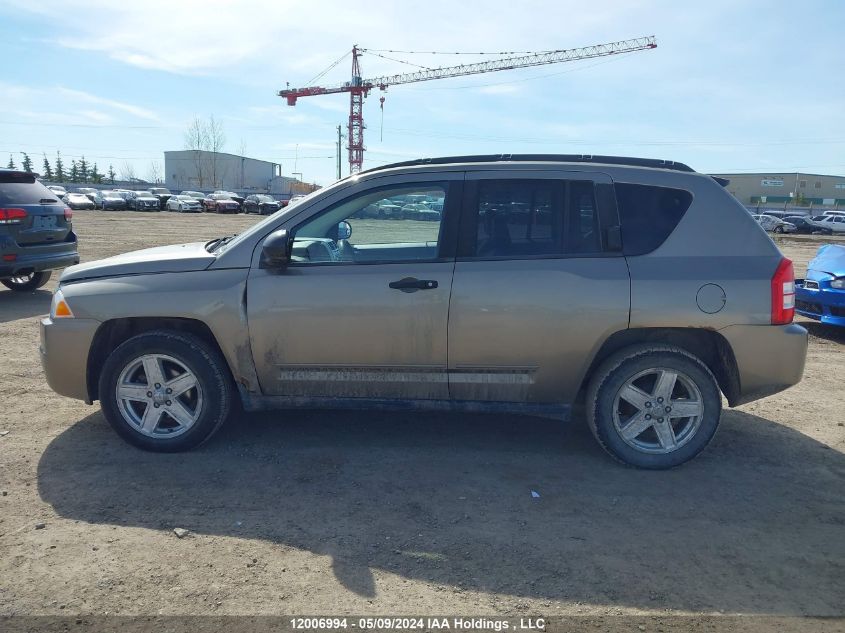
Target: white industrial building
207,171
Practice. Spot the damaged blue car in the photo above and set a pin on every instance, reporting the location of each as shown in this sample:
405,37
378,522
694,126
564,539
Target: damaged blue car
821,294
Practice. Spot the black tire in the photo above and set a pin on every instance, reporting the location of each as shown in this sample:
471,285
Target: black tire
778,229
612,375
33,282
203,360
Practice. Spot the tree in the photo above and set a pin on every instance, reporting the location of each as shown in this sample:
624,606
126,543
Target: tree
60,168
111,175
48,171
154,174
94,176
11,164
74,171
205,139
127,172
83,169
27,163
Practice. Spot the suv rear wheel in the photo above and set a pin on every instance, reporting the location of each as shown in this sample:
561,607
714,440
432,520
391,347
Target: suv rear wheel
165,391
653,406
23,283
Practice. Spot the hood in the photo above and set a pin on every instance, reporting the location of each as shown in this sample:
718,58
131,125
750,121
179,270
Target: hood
829,260
178,258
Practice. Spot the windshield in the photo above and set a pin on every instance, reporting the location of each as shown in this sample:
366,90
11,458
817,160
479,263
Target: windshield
270,220
265,199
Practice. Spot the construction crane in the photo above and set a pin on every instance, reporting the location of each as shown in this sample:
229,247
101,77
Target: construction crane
359,88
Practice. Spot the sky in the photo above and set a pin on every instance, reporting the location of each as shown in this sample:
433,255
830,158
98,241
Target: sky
732,86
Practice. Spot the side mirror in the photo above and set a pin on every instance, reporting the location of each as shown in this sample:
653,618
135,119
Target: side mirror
275,252
344,230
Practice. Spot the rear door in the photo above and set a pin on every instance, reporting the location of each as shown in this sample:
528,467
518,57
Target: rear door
536,288
33,214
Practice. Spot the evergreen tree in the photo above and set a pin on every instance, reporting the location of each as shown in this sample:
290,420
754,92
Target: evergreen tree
60,168
27,163
82,166
95,176
111,175
11,164
74,171
48,171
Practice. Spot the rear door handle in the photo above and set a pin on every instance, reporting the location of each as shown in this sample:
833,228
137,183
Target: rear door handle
412,284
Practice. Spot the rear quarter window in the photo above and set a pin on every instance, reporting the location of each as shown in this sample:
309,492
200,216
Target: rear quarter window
648,215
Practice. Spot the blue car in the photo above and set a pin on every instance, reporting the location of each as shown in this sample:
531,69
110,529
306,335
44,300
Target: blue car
821,294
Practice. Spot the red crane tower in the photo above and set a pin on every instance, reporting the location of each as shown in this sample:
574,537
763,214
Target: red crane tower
359,88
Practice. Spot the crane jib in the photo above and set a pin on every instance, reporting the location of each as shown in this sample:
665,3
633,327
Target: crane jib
360,88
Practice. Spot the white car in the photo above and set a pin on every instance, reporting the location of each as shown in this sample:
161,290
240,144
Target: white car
835,223
775,225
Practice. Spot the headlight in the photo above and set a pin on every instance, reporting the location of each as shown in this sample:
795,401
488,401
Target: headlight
59,309
838,283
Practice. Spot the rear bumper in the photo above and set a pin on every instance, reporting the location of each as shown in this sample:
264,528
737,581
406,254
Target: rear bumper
37,258
769,358
64,354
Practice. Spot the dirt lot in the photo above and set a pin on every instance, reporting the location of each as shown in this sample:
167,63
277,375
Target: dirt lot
311,512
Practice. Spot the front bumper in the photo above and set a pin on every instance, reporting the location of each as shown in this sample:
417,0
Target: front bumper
37,258
769,358
64,348
823,304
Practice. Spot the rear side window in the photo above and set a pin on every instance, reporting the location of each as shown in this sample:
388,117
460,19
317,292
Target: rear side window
533,218
24,193
648,215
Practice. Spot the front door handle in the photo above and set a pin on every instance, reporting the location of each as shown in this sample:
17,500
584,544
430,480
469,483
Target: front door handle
412,284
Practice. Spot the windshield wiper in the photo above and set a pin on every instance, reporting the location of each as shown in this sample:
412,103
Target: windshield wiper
217,242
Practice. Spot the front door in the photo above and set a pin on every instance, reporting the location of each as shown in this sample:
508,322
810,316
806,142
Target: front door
537,285
362,310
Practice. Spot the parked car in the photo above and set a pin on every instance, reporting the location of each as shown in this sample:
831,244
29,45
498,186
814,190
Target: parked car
261,204
624,299
220,203
185,204
832,223
805,225
89,192
78,201
821,294
841,214
163,194
110,200
126,194
58,190
773,224
143,201
36,232
234,196
194,194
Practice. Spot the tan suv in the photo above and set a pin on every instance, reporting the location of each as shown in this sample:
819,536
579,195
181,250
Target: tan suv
637,287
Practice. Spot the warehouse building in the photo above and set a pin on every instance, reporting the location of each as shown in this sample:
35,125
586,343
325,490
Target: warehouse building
207,171
794,189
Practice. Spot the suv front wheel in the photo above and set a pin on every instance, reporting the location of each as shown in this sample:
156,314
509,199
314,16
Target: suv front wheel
165,391
653,406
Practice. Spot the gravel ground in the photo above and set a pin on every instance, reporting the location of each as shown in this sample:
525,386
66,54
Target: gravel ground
298,512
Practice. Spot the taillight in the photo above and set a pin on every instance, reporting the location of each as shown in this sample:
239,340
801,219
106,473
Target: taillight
12,216
68,214
783,293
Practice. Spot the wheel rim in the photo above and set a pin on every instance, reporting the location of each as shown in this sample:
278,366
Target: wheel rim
159,396
658,410
23,279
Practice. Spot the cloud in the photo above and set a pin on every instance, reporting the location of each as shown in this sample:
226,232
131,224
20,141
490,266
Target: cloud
136,111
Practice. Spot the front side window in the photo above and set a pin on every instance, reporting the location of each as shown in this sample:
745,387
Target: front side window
388,224
534,218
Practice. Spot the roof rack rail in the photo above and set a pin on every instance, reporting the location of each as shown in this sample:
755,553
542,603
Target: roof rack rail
562,158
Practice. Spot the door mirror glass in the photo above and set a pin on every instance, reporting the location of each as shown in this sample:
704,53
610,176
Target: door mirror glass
344,230
275,252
